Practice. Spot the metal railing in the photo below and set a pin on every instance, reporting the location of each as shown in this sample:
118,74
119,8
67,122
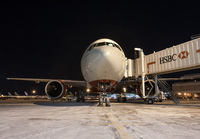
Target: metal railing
167,88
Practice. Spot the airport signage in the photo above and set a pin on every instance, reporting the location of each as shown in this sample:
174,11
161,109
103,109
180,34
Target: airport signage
173,57
168,58
183,54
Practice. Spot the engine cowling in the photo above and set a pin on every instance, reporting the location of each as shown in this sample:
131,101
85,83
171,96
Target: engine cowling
55,89
149,88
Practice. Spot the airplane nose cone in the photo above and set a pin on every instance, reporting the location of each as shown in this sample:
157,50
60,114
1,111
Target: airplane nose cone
103,63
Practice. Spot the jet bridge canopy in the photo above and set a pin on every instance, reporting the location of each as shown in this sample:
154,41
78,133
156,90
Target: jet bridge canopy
185,56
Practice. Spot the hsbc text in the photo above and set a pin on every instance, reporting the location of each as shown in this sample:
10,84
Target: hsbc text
168,58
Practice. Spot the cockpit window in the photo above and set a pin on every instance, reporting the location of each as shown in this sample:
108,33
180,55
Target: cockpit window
92,46
101,44
110,44
104,43
113,45
97,45
118,47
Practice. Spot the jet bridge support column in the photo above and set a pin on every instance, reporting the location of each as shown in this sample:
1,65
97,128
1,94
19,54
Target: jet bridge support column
143,72
156,84
141,56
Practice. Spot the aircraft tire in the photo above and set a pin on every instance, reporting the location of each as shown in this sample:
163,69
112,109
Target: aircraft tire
150,101
100,101
107,102
119,99
124,99
83,99
78,100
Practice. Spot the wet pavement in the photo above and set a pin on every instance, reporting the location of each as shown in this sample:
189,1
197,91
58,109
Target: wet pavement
47,120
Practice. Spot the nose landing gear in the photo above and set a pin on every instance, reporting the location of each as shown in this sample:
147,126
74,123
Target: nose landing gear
103,98
100,101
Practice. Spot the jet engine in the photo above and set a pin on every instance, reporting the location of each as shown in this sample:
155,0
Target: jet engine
55,89
149,88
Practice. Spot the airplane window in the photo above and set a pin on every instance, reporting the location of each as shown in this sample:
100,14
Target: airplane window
96,45
101,44
113,45
104,43
118,47
109,44
92,46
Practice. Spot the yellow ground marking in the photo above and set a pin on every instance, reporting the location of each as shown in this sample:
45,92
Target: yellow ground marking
131,118
122,115
143,124
97,119
101,124
124,134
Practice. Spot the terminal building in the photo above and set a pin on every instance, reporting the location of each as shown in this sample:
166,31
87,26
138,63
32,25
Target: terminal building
187,89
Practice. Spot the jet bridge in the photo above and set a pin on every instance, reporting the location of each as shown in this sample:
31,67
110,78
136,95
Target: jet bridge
185,56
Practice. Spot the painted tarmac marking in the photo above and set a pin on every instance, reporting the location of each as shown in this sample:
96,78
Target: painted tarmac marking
131,118
142,124
100,124
97,119
124,134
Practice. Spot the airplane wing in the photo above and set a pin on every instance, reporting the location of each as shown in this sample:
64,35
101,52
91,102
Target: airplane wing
71,83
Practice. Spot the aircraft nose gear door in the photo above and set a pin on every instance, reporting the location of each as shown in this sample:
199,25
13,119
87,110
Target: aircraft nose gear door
104,97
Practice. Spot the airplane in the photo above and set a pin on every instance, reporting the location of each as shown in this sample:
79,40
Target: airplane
9,94
103,66
17,96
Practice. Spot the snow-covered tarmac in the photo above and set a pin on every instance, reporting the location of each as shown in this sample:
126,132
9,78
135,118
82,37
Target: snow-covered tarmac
72,120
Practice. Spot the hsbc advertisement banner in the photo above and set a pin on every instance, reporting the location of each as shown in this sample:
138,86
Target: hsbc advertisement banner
181,57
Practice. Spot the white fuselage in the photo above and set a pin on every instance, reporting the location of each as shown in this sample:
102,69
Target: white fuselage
103,61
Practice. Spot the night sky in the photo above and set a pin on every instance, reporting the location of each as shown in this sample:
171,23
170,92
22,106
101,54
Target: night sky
47,40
